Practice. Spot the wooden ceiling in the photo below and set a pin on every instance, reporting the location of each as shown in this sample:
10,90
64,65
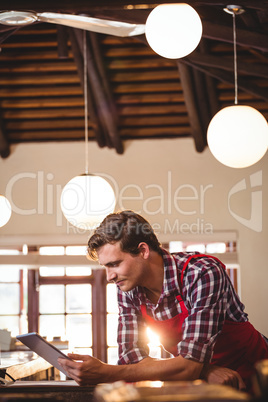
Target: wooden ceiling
132,92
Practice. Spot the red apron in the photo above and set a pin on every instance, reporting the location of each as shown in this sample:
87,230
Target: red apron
238,346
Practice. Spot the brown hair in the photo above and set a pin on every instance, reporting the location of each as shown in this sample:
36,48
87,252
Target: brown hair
127,227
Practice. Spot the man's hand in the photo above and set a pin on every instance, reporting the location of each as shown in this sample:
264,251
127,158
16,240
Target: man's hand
222,375
84,369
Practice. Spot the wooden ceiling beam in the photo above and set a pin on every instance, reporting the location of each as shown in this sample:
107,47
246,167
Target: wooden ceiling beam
62,39
152,109
36,67
37,55
191,105
6,32
245,38
49,135
103,107
91,105
155,98
155,87
4,143
35,103
202,101
227,77
33,79
49,113
211,84
125,133
153,132
78,46
76,123
255,69
147,76
40,92
96,47
70,112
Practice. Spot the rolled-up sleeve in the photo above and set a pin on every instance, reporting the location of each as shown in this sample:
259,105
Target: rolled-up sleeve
132,340
206,301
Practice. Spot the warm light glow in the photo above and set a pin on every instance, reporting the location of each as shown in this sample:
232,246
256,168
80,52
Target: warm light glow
5,210
238,136
86,200
173,30
153,337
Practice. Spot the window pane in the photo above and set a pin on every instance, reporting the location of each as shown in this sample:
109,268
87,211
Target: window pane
216,248
76,250
78,271
9,298
52,271
11,324
112,323
78,298
112,355
9,274
51,250
111,298
9,251
52,325
79,330
175,246
51,299
196,247
83,351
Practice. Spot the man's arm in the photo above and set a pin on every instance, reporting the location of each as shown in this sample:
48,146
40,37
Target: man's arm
91,371
88,370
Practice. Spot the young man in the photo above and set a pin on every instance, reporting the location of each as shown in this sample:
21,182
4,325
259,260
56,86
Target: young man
187,298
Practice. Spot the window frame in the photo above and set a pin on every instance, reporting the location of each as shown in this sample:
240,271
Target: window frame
98,282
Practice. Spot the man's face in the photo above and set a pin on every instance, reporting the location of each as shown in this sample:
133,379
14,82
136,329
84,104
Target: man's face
124,269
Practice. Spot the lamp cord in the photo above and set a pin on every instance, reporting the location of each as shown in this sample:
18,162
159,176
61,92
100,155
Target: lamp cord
85,101
235,60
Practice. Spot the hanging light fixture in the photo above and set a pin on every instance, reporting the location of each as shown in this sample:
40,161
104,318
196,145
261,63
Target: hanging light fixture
237,135
173,30
5,210
87,199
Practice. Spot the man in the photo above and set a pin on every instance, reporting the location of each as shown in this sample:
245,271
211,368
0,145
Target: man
187,298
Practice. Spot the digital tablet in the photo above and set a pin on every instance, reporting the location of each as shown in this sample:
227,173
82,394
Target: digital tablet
39,345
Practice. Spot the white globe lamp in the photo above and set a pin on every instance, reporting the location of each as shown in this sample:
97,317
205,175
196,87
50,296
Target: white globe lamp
86,200
5,210
238,136
173,30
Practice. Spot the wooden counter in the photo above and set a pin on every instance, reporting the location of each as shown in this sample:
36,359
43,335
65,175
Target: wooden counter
24,364
67,391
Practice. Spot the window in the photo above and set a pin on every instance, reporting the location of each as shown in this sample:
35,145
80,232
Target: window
13,297
112,321
64,299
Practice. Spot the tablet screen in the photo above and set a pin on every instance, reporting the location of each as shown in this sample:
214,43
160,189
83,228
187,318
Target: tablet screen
39,345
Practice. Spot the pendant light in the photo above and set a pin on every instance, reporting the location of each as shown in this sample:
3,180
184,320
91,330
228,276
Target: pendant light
173,30
87,199
237,135
5,210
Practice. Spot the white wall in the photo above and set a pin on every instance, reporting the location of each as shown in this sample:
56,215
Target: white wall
152,173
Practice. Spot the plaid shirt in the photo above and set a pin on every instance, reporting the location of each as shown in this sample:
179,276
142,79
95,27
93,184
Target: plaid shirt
208,295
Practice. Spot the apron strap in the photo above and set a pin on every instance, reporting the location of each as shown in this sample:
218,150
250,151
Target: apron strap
197,256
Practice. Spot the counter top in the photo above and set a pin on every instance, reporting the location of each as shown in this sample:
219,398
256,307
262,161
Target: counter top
20,364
